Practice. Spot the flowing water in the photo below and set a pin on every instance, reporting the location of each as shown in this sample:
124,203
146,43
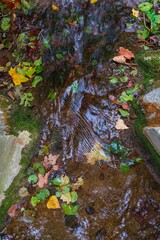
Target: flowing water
80,124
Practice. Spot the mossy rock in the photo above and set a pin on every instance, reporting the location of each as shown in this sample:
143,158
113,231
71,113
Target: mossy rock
150,61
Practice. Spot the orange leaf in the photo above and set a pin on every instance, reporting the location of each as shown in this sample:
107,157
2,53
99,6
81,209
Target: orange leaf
53,203
125,53
119,59
13,210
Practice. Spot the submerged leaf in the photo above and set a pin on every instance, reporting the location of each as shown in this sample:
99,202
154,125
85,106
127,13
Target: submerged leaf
70,209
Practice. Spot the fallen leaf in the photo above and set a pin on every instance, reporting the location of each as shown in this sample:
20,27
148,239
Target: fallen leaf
93,1
125,105
78,184
135,13
125,53
50,160
120,125
25,137
54,7
10,94
23,192
13,210
43,180
53,203
66,197
119,59
96,154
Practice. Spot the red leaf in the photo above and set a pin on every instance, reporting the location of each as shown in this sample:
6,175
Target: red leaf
43,180
13,210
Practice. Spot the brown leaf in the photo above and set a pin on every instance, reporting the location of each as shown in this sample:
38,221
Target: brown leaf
13,210
50,160
125,106
125,53
120,125
10,94
119,59
43,180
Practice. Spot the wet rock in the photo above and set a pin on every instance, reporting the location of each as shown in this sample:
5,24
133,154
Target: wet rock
153,135
153,96
101,234
90,210
71,222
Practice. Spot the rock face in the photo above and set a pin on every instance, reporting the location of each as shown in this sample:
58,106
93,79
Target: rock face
153,135
153,96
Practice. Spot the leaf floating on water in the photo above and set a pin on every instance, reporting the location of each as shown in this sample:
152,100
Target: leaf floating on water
53,203
120,125
96,154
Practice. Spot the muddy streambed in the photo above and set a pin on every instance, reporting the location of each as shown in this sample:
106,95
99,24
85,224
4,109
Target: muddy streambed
80,123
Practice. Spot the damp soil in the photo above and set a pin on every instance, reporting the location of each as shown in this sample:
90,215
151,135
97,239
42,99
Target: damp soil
112,205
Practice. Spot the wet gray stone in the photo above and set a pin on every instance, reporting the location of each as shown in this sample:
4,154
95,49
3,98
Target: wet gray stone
153,96
153,135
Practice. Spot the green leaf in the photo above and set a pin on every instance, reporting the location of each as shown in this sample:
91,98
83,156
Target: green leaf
58,194
124,168
30,71
143,33
145,6
34,201
124,79
138,160
74,196
26,64
26,98
157,19
74,87
39,69
57,181
36,80
59,56
66,189
38,62
133,90
5,24
70,209
113,80
38,166
134,72
43,194
124,113
125,97
52,96
33,178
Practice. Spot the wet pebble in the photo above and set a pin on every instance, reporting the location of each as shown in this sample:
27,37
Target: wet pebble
101,234
71,222
90,210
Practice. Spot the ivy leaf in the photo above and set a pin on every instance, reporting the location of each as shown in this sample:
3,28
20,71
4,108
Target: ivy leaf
38,62
34,201
124,113
74,196
143,33
113,80
33,178
36,80
70,209
43,194
5,24
38,166
145,6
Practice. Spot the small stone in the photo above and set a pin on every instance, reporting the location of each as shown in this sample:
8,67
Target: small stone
90,210
23,192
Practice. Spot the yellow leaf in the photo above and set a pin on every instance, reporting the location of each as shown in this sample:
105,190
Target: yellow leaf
53,203
96,154
16,77
54,7
65,180
66,197
93,1
135,13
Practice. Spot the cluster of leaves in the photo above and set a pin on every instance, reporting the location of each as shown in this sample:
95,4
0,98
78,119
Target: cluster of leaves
122,153
148,19
65,192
